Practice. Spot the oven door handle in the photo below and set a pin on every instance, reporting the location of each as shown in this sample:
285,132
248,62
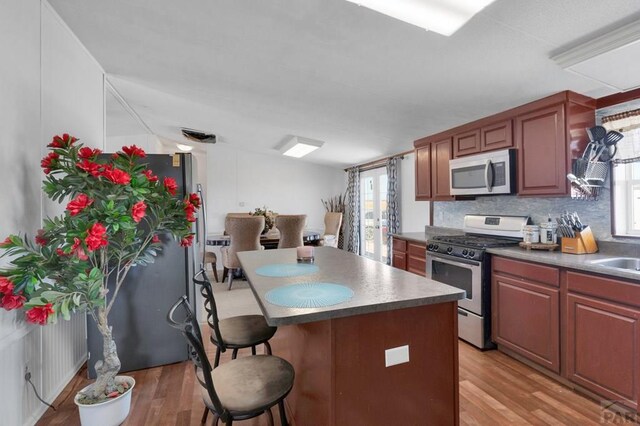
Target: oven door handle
452,260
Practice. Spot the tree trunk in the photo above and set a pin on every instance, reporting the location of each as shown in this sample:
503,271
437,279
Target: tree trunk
108,367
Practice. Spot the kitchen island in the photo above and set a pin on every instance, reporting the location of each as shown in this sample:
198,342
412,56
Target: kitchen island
338,351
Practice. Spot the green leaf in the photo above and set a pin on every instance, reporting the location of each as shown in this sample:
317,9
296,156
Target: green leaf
64,309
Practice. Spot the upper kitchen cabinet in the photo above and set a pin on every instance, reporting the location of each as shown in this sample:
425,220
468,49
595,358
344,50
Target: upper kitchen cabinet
489,137
432,169
466,143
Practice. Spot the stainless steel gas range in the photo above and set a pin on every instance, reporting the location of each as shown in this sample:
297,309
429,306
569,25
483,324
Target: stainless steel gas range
461,261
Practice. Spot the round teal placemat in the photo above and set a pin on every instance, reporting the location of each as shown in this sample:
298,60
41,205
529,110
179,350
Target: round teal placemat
309,295
287,270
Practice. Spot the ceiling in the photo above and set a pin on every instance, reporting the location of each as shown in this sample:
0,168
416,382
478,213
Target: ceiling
256,72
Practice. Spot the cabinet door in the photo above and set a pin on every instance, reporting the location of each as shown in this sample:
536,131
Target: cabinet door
417,258
542,152
423,173
497,136
466,143
440,176
399,260
602,348
526,319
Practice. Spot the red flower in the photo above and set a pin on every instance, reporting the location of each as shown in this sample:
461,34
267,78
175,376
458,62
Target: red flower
60,252
138,211
195,200
189,210
86,152
6,286
150,176
6,243
187,241
78,249
49,162
63,141
78,204
39,314
13,301
134,151
117,176
96,237
40,239
90,167
170,185
155,239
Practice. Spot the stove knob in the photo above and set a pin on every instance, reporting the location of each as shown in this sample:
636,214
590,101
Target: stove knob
464,252
449,250
435,247
430,247
472,253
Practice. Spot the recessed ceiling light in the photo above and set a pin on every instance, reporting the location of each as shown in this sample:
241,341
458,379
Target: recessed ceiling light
184,148
299,147
441,16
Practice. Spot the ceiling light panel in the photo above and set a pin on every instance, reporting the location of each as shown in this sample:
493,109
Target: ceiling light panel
299,147
442,16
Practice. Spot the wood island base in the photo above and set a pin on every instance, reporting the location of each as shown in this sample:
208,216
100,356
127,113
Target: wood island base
341,378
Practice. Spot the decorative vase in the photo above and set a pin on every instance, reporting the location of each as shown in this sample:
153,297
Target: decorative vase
111,412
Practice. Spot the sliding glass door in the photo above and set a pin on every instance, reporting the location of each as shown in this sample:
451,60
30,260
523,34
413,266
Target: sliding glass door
373,214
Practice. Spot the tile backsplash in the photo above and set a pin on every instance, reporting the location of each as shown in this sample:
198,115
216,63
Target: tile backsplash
596,214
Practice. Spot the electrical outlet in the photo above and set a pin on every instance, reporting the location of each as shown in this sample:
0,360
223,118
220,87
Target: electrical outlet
241,203
27,373
395,356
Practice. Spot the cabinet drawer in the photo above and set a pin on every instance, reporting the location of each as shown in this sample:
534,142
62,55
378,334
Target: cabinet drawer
417,250
604,288
399,245
531,271
417,265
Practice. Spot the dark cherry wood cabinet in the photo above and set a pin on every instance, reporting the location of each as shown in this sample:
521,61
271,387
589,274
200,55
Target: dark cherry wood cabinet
542,152
526,313
409,256
423,173
466,143
603,336
548,134
497,136
583,327
432,169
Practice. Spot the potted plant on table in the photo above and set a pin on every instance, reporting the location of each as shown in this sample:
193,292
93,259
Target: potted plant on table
269,217
117,210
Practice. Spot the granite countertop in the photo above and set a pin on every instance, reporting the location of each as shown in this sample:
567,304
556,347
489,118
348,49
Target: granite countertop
377,287
430,232
581,262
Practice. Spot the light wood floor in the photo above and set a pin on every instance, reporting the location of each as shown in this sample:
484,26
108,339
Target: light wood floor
494,390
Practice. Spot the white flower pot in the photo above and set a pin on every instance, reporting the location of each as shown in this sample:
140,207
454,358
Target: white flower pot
111,412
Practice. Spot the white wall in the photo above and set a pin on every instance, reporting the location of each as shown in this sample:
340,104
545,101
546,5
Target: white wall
414,215
149,143
240,181
49,85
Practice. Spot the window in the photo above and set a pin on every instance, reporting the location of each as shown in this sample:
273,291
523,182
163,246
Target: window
625,178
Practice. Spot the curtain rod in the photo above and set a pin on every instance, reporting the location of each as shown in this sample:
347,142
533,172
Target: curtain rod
379,162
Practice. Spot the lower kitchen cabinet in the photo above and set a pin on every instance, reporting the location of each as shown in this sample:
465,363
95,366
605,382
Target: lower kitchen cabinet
527,319
409,256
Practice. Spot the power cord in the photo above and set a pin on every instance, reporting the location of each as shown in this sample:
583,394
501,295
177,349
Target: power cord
27,377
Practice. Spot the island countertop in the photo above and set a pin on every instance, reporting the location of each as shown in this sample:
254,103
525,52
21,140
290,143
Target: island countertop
377,287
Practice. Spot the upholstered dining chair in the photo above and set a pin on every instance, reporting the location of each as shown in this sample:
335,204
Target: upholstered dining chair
244,233
291,228
239,332
332,223
241,388
210,257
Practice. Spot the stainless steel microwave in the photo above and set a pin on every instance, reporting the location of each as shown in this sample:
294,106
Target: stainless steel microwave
484,174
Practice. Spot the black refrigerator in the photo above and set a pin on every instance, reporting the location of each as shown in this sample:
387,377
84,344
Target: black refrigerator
138,318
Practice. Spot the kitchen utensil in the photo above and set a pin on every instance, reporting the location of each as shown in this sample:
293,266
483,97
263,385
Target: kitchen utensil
597,133
613,138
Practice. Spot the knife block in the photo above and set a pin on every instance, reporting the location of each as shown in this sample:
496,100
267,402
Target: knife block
583,243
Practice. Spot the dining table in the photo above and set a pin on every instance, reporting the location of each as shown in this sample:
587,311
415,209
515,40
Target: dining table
370,344
269,240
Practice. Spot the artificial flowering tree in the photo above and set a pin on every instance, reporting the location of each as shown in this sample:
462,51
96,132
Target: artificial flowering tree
116,209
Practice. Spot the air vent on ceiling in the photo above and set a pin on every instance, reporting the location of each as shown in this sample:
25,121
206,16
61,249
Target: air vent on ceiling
198,136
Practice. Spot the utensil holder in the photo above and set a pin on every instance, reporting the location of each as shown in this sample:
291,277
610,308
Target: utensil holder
583,243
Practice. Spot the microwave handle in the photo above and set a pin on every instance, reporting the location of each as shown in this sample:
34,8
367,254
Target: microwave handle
488,176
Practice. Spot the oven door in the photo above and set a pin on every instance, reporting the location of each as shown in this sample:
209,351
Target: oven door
461,273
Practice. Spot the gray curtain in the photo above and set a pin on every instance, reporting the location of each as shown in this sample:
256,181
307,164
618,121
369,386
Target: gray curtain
393,201
353,210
